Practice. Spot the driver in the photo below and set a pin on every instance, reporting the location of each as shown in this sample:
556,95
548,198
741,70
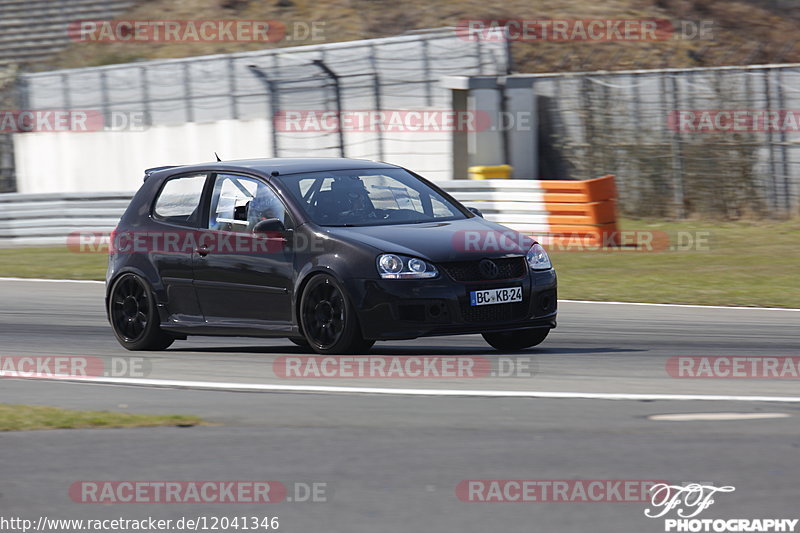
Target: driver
354,197
263,206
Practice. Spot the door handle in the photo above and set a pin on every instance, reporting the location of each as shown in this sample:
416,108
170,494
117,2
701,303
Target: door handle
202,251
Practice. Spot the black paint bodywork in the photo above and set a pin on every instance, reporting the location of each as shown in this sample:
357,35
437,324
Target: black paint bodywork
251,294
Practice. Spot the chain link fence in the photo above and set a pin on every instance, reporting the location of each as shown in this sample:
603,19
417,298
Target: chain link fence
629,124
396,73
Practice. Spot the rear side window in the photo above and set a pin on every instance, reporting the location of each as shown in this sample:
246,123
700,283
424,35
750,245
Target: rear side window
179,199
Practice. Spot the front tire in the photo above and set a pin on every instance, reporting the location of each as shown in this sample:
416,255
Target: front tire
511,341
134,317
328,319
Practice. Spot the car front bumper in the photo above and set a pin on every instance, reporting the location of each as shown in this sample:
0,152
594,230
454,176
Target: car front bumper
410,308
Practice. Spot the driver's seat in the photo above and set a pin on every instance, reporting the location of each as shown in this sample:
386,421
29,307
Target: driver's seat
328,205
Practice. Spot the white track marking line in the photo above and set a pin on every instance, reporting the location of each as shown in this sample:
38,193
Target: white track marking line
694,306
41,280
698,417
559,301
268,387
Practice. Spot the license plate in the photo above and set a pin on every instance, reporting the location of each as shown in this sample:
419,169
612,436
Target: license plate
496,296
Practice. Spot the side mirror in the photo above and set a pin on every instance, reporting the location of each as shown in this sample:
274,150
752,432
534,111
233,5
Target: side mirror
476,211
270,225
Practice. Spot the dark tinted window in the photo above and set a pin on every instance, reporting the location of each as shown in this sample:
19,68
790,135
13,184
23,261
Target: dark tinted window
179,199
370,197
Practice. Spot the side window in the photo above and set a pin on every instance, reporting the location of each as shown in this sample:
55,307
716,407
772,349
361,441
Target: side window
238,203
179,199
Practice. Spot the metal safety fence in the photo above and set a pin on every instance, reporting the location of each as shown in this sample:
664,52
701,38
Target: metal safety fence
392,73
721,142
28,219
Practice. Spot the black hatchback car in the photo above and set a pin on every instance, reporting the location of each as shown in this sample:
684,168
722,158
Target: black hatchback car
333,254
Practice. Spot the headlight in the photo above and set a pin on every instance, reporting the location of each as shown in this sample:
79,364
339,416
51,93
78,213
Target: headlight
537,258
393,266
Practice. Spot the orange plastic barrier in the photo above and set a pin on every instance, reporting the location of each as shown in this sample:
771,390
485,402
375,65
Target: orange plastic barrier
582,210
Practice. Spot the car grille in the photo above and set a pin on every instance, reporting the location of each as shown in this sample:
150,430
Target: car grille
493,313
509,268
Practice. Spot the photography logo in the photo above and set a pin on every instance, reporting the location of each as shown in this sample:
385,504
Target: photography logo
690,500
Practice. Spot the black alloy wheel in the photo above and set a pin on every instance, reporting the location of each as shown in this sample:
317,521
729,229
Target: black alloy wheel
133,316
328,319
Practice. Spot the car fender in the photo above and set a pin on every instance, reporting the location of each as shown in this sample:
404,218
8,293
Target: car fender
341,259
128,269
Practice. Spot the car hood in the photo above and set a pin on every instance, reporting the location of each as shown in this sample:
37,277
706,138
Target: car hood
456,240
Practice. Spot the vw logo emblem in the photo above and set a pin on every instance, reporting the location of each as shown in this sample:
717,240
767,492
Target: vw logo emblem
488,269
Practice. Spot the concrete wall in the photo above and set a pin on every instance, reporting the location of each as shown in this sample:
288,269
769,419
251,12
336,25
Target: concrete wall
49,162
511,138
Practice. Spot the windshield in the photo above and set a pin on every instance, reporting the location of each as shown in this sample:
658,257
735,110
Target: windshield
368,197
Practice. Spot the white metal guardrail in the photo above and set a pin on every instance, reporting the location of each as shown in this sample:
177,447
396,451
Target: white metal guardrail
547,209
518,204
47,219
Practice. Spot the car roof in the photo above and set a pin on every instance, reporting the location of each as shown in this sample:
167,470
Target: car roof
281,165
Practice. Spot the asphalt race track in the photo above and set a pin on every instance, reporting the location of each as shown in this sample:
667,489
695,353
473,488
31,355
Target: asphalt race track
392,451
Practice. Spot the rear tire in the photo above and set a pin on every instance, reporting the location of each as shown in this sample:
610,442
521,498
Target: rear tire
134,317
328,319
510,341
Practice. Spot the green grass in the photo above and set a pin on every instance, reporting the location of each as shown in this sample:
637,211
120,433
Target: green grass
52,263
744,263
15,417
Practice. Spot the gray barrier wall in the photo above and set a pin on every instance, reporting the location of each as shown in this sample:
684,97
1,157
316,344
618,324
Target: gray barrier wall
400,72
